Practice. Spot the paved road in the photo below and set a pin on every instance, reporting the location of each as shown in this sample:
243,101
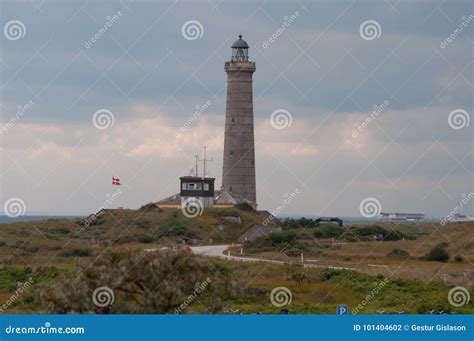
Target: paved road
218,251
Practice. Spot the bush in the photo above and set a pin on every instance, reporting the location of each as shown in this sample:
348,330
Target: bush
77,253
244,207
459,259
175,231
62,230
3,243
398,253
438,253
156,283
285,241
145,239
328,232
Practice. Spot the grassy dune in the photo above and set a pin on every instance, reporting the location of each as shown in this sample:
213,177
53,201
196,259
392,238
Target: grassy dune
411,284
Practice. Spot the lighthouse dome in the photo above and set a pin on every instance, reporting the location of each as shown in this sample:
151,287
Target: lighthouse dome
240,44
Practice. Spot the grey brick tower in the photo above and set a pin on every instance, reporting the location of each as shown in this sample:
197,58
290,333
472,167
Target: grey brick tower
238,175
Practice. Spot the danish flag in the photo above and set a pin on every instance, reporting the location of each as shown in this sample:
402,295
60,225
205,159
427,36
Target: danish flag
116,181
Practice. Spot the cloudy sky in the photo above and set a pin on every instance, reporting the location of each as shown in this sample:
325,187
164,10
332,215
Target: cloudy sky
378,97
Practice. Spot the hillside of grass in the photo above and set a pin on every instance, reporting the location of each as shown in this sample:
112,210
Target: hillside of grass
56,241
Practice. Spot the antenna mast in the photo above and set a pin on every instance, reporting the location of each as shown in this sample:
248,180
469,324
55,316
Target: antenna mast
205,160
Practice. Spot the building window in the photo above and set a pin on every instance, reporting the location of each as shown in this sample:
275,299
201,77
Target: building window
206,187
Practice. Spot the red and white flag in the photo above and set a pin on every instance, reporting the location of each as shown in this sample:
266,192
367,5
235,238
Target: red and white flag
116,181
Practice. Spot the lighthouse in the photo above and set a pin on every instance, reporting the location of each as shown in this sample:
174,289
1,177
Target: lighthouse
238,175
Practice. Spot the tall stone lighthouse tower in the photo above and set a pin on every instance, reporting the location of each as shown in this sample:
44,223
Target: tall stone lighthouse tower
238,175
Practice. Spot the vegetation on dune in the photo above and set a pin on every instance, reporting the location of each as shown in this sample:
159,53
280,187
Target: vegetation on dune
398,253
286,241
141,283
71,247
439,253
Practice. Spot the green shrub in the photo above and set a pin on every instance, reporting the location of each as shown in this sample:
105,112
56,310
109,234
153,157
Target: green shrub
438,253
459,259
175,231
62,230
244,207
145,239
77,253
398,253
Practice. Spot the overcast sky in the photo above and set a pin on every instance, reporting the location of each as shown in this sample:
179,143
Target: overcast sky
66,61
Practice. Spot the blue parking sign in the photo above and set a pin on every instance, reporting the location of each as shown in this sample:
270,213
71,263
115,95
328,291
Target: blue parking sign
342,310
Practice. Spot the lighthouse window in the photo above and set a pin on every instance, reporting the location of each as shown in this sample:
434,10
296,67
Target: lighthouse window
231,153
232,120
